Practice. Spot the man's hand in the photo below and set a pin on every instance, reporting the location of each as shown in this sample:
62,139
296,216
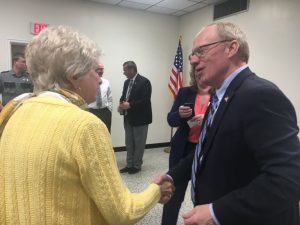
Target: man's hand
166,187
124,105
200,215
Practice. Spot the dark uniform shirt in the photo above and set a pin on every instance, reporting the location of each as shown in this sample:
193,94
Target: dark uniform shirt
12,85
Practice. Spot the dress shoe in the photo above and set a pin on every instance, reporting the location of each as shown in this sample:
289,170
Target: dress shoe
125,170
134,170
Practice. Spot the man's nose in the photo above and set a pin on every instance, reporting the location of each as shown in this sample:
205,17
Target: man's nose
194,59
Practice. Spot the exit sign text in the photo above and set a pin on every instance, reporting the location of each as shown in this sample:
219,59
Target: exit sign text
37,27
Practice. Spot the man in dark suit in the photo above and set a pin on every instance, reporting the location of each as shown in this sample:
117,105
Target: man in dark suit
135,105
245,170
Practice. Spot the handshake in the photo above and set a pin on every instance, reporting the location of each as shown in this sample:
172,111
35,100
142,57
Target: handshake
166,187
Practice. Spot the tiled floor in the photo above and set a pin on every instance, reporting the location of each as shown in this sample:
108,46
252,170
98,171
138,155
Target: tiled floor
155,163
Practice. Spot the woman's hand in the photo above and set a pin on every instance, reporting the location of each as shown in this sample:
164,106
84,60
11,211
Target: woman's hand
185,111
198,119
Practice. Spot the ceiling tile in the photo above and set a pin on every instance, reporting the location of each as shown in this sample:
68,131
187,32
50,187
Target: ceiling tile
150,2
134,5
179,13
176,4
170,7
213,1
195,7
163,10
112,2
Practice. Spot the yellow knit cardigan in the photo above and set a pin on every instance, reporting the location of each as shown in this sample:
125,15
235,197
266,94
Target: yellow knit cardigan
57,166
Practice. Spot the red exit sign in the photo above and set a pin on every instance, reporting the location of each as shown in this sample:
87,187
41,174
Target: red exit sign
36,28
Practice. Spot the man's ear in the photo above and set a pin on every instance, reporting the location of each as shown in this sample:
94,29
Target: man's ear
232,48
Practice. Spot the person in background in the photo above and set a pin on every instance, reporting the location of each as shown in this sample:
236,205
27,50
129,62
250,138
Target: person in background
135,105
187,114
103,105
14,82
246,165
57,163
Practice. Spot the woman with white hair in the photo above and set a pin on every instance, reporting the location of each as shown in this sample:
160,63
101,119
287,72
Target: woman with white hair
57,164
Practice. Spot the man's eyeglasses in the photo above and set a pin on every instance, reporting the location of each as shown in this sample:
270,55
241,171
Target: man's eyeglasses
201,50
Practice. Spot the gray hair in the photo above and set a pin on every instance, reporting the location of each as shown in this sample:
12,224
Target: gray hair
230,31
130,65
57,54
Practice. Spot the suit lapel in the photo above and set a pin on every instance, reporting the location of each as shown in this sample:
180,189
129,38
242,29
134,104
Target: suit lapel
190,96
123,97
126,85
224,104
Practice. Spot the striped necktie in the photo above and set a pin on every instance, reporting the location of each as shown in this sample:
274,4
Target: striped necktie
201,142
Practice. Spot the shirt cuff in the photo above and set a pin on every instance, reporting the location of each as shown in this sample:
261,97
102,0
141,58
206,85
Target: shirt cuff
216,221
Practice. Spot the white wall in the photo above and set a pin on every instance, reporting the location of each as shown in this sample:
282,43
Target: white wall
272,27
122,34
273,31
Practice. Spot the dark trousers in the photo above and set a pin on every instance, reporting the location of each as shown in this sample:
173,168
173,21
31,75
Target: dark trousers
171,209
104,115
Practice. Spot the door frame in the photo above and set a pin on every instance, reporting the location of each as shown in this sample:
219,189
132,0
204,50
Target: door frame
12,42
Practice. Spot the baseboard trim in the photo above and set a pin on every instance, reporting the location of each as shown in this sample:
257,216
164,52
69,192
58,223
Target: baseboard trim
156,145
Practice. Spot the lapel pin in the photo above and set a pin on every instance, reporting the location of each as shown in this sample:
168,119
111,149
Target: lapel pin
226,98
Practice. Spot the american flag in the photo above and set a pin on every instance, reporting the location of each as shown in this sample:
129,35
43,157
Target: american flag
175,82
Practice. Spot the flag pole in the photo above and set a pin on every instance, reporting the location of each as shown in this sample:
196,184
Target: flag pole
175,82
168,149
